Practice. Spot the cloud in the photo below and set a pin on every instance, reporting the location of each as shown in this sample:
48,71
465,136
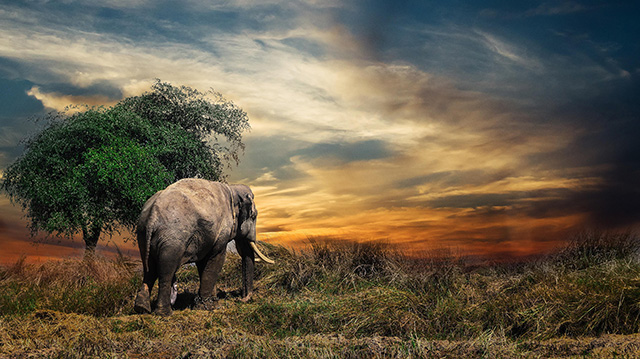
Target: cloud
428,133
549,8
347,152
509,52
114,4
61,102
556,8
285,92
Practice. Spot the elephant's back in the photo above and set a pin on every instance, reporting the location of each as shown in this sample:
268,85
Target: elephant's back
192,201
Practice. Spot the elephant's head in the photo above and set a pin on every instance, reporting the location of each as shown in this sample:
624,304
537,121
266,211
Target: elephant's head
246,217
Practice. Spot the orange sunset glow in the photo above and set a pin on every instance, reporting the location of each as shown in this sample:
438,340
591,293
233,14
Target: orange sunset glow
488,130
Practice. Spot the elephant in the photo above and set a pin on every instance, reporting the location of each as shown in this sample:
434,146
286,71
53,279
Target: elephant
192,221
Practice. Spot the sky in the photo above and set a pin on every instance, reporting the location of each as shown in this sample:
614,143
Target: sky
487,128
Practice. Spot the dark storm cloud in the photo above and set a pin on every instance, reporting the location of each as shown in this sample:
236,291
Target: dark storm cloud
616,202
607,129
608,149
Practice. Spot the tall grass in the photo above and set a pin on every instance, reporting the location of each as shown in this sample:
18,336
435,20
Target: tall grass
335,299
96,286
591,287
591,248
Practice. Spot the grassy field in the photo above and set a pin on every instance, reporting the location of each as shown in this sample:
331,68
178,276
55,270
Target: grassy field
339,300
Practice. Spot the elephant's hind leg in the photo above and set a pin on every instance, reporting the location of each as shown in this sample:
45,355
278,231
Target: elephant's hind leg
169,262
143,301
143,298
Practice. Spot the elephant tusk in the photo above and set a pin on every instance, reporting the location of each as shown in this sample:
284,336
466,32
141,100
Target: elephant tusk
262,256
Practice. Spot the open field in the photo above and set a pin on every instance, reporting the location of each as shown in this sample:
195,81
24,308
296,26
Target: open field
339,300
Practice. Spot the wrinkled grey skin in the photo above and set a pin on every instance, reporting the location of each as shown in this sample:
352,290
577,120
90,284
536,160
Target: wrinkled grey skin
191,221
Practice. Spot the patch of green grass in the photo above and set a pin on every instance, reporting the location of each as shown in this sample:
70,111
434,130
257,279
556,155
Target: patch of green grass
18,299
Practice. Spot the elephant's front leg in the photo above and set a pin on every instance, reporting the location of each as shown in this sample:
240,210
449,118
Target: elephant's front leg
248,264
209,269
248,269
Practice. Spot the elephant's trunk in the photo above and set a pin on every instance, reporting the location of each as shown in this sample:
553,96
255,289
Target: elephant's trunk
260,255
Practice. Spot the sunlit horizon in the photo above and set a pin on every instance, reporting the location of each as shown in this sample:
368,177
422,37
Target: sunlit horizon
490,129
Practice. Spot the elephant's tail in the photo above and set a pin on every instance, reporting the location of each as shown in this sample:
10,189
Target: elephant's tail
145,233
149,233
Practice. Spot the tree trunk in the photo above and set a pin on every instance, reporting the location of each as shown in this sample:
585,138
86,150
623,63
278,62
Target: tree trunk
91,237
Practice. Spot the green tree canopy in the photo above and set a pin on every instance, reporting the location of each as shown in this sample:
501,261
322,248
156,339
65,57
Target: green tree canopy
91,172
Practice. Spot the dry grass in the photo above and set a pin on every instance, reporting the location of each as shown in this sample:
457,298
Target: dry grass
99,287
198,334
346,300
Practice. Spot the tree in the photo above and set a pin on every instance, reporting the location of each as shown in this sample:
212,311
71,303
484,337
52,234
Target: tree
92,171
